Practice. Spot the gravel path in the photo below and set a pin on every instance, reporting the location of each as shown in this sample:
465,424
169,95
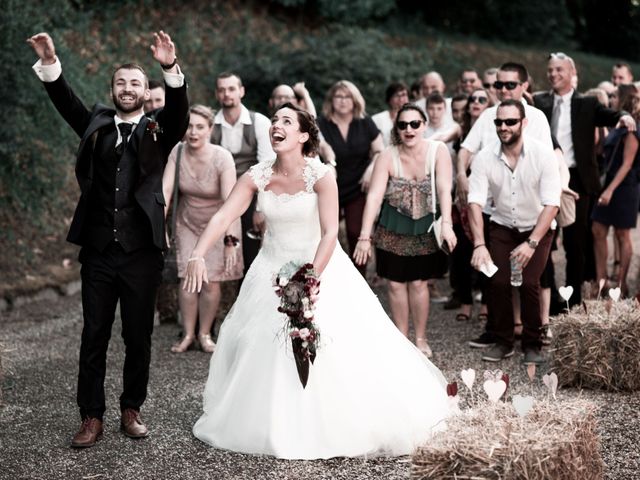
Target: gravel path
41,343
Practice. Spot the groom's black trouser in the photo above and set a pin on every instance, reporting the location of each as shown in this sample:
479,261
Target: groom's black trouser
107,277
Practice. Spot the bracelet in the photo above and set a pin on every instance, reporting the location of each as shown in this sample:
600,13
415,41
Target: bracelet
231,241
478,246
171,65
193,259
364,239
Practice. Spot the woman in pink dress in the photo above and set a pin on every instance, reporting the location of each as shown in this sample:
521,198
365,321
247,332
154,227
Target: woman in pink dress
206,176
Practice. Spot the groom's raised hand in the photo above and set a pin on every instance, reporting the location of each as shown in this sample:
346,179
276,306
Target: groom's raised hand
42,44
164,51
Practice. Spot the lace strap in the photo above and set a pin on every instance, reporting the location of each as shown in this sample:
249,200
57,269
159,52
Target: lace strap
261,173
313,172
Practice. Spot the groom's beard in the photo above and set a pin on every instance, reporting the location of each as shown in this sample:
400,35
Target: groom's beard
137,104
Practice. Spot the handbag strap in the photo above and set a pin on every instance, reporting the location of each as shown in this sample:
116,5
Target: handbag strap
431,161
174,198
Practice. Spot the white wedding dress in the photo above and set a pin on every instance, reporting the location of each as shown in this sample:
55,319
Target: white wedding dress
370,390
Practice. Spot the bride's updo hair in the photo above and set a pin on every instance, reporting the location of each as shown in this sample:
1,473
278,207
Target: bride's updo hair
307,125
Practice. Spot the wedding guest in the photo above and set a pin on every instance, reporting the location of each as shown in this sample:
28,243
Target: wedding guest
461,273
206,176
156,97
396,95
489,76
118,221
526,197
618,203
458,106
357,142
621,74
406,251
245,134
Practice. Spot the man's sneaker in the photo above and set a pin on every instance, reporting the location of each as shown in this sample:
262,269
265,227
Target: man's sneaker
498,352
532,356
435,295
485,340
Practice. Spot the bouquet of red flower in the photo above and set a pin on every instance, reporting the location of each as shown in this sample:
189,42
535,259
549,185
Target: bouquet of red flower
298,287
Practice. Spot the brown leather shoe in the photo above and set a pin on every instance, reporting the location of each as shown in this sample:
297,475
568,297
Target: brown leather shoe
131,424
90,432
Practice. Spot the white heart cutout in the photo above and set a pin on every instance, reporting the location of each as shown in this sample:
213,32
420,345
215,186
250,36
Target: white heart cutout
468,377
614,293
494,389
551,382
522,404
566,292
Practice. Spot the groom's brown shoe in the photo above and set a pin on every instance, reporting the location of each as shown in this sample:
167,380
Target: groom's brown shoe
89,433
131,424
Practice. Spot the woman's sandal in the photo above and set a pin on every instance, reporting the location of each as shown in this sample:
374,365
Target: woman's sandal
424,348
184,344
206,344
462,317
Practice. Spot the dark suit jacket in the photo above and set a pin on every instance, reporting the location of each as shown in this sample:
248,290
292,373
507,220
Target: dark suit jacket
149,153
586,114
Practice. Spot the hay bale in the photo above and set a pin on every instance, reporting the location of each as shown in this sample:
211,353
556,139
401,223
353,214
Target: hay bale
596,345
554,440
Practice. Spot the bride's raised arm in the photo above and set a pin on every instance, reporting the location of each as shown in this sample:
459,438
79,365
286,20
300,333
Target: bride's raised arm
327,191
238,201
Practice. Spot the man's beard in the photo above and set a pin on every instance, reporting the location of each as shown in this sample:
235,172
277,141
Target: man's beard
515,136
137,105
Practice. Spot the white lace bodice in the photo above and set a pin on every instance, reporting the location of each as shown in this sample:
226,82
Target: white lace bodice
292,220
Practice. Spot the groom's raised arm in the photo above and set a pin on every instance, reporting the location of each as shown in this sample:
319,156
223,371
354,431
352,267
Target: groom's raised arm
49,71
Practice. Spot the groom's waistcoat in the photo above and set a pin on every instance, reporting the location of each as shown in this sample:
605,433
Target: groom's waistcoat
113,213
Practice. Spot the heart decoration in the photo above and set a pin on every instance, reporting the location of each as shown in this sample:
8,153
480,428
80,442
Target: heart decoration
614,293
494,389
551,382
452,389
522,404
566,292
468,377
531,371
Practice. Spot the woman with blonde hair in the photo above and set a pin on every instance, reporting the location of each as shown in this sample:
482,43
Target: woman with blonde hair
356,141
206,176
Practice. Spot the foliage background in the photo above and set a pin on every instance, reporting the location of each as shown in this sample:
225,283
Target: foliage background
370,42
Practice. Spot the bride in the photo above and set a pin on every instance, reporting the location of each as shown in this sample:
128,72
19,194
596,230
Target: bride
370,390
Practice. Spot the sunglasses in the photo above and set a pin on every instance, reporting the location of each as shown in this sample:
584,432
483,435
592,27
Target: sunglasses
480,99
509,122
487,85
468,80
414,124
508,85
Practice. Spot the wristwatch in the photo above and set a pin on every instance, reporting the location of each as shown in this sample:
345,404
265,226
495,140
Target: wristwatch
532,243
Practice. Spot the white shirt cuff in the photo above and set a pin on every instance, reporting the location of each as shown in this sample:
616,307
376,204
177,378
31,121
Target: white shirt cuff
48,73
173,80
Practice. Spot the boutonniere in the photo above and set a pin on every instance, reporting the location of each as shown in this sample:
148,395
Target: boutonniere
154,128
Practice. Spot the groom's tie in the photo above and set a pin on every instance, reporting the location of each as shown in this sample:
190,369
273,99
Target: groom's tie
125,130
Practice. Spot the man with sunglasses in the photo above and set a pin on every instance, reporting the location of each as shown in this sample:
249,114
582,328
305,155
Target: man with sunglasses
469,81
574,118
511,83
489,77
520,175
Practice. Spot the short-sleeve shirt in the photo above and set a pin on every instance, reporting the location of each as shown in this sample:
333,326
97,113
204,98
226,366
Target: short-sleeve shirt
352,155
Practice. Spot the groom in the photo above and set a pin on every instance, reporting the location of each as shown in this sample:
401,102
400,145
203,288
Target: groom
119,221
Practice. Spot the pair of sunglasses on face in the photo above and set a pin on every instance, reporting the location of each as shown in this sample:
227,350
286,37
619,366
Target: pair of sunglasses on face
414,124
480,99
509,122
508,85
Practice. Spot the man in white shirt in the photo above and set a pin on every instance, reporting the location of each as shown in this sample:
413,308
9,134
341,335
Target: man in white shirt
396,95
520,174
246,135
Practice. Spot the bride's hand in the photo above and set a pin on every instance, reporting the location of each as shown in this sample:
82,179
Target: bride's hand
196,274
362,252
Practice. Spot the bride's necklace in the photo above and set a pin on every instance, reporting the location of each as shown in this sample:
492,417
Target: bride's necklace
279,170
